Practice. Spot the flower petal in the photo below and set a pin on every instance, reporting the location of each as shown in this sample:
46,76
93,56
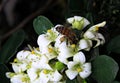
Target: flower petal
70,20
56,76
9,74
101,37
62,59
86,70
42,63
42,38
44,78
58,41
16,79
93,28
71,64
79,57
20,78
22,55
78,18
65,50
98,42
85,44
89,34
32,73
71,74
19,67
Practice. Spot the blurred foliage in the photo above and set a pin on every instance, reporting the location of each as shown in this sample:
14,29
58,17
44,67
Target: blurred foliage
104,69
11,46
94,10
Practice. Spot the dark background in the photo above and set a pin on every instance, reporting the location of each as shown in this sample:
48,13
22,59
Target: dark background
19,14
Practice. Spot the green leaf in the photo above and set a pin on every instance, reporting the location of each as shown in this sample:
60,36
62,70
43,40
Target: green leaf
3,70
41,24
104,69
114,45
11,45
59,66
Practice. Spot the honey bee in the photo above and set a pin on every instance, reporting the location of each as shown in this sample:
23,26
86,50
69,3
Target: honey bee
68,34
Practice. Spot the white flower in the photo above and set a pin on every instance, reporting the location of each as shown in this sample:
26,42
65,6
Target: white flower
57,82
42,63
52,34
59,40
92,34
45,47
78,66
97,26
19,67
9,74
101,37
33,73
85,44
33,57
48,75
64,50
22,55
78,22
19,78
89,34
43,42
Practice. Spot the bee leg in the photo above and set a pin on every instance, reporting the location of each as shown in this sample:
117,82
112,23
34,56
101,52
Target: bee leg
62,39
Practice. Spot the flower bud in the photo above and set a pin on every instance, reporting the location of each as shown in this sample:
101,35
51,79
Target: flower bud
78,22
59,65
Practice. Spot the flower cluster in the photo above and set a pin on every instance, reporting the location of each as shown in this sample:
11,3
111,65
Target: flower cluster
56,59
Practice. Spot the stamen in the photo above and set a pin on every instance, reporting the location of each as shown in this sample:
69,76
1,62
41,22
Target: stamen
73,45
50,50
24,79
97,28
15,60
33,52
79,69
29,65
49,31
45,71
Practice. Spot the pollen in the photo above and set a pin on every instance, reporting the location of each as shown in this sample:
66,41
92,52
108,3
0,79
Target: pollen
97,28
45,71
33,52
73,45
24,79
79,69
49,31
29,66
50,50
15,60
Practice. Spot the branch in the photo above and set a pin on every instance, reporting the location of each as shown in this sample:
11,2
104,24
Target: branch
27,19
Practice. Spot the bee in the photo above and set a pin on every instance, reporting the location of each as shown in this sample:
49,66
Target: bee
68,34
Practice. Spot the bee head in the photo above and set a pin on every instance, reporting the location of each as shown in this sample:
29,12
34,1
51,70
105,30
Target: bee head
59,27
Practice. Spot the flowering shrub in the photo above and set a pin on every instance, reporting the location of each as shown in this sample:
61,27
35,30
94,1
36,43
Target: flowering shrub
57,60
